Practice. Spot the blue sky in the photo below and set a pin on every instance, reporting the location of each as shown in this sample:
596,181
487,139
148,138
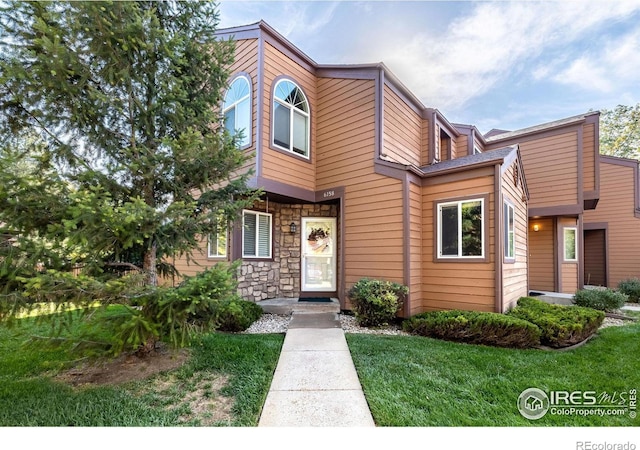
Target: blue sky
493,64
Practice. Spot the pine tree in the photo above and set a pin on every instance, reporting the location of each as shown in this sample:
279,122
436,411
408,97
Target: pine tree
132,167
620,131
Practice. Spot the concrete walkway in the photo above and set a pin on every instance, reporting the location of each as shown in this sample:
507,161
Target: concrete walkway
315,383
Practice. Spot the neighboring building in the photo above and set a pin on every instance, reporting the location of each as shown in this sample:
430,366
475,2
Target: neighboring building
612,231
362,180
561,162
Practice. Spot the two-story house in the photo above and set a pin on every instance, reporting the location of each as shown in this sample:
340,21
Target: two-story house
360,179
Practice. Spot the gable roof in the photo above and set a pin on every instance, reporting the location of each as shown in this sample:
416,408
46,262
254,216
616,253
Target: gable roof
470,161
538,128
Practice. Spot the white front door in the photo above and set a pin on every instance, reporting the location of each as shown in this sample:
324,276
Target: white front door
318,254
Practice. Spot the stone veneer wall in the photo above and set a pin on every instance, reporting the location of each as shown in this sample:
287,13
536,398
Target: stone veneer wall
280,277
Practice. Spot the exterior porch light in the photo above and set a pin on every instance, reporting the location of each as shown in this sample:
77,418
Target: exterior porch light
536,227
293,228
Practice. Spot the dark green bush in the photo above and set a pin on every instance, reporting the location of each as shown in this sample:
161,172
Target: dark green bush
376,302
630,287
561,326
236,315
475,328
193,305
601,299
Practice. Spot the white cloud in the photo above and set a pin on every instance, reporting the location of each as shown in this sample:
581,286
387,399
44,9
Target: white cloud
611,66
295,20
489,43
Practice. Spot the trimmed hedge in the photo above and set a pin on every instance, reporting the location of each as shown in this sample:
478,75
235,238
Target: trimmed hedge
376,302
630,287
602,299
561,326
475,328
236,315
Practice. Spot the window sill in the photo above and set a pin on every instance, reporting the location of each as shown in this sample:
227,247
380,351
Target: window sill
279,149
461,259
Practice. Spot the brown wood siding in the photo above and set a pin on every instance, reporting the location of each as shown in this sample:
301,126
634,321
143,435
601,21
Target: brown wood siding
514,274
424,158
198,262
616,206
551,166
588,157
542,255
246,60
457,285
595,258
279,165
462,144
373,205
402,130
569,279
415,245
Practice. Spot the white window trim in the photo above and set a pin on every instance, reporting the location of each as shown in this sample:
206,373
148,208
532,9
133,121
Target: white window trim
212,255
258,214
247,133
439,236
508,233
476,150
291,109
564,244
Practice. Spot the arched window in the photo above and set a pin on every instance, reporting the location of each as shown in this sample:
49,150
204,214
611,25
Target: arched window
237,109
290,118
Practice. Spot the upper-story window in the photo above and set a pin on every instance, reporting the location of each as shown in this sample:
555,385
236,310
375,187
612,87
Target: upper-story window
290,118
237,109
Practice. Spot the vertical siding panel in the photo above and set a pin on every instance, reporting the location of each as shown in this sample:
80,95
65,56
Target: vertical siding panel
373,207
246,60
551,167
276,165
514,275
417,257
246,57
542,255
588,157
402,130
457,285
569,269
462,144
424,158
616,207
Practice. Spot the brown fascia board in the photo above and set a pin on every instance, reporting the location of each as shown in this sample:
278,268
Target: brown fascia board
442,120
263,26
470,130
557,124
494,132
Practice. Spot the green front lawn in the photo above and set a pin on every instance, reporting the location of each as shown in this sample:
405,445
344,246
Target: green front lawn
232,371
416,381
